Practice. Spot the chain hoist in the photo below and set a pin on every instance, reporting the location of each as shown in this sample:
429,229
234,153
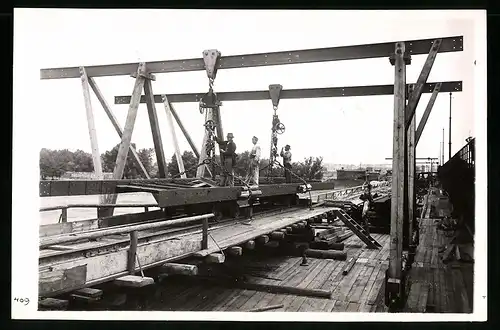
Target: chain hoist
210,101
277,126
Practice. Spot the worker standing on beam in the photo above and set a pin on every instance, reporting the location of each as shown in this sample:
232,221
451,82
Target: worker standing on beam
287,163
254,167
228,159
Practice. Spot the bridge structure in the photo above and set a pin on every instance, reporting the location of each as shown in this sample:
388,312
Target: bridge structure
200,198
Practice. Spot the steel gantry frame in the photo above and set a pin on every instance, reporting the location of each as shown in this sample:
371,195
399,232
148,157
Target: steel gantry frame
406,98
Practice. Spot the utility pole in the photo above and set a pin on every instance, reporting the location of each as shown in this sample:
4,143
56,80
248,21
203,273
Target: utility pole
449,133
442,150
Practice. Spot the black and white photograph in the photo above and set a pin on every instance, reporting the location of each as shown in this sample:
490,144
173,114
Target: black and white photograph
249,165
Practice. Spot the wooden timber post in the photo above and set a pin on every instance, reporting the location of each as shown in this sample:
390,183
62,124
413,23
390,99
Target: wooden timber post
96,156
218,123
178,156
132,252
204,234
155,127
410,138
200,172
394,273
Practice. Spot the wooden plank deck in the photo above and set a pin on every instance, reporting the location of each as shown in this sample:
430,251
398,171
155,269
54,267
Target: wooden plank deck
358,291
238,233
450,286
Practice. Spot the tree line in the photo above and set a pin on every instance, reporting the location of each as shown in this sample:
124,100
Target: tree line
54,163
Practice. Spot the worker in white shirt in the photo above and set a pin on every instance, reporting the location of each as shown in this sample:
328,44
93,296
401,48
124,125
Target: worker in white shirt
287,163
253,171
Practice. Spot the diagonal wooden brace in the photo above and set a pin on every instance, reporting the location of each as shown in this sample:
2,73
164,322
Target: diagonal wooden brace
422,79
172,110
96,157
116,124
274,92
211,60
155,128
427,112
178,157
121,158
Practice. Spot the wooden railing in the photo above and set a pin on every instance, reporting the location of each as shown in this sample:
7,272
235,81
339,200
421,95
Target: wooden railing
64,208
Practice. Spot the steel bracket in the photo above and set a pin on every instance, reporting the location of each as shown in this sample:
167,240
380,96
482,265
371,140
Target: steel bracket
211,59
394,290
274,92
409,89
141,71
145,75
392,59
407,57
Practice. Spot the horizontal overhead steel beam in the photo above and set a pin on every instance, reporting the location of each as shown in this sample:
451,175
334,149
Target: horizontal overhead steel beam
450,86
415,47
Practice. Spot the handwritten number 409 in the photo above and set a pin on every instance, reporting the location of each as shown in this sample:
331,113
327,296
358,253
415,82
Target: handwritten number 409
24,301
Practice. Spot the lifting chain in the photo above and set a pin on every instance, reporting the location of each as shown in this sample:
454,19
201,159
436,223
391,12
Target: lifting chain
211,59
210,99
277,126
210,144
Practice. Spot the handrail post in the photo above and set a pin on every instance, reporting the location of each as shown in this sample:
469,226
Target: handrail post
204,237
64,214
132,252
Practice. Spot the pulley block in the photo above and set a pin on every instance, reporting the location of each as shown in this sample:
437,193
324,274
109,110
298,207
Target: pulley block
209,125
274,93
209,101
280,128
211,59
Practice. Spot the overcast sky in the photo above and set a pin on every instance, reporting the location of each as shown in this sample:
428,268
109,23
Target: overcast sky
342,130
